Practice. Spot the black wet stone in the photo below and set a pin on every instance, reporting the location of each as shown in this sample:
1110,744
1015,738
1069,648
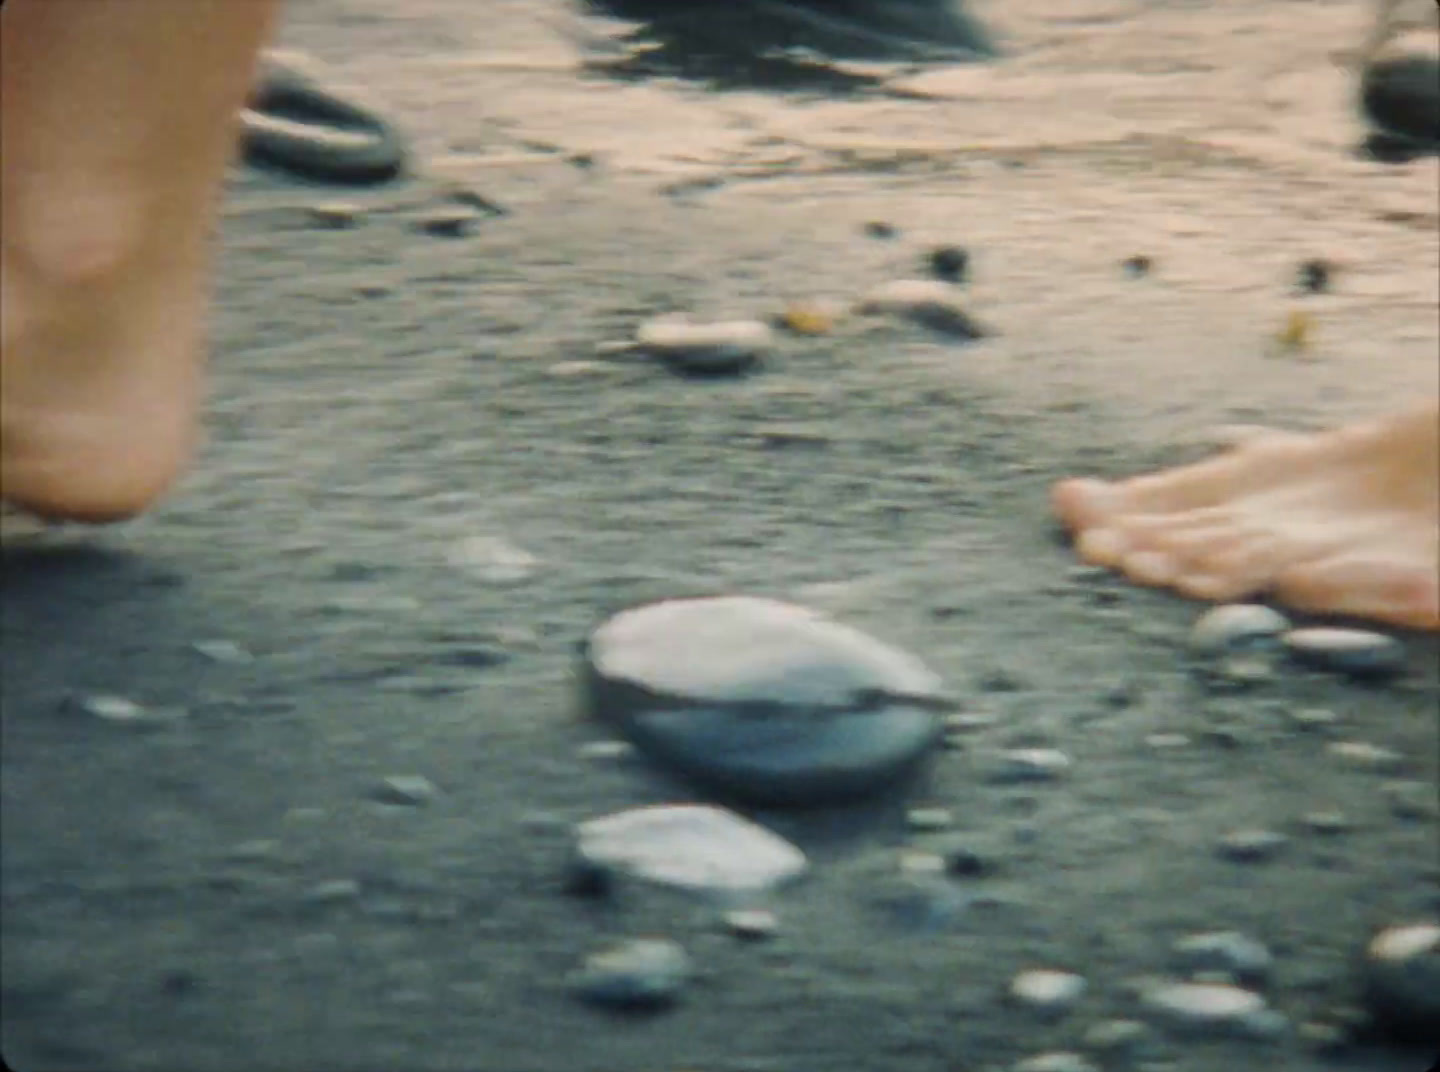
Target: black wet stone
1251,846
449,221
764,701
1401,96
880,229
1314,276
950,263
1137,266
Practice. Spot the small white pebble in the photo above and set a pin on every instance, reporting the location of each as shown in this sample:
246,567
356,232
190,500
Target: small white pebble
752,923
1047,989
929,818
1365,756
112,708
1058,1061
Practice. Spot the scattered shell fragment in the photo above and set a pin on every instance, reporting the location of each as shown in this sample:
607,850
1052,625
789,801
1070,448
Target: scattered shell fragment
1296,333
809,317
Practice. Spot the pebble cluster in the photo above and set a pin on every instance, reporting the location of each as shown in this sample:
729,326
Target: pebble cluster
768,700
731,347
764,701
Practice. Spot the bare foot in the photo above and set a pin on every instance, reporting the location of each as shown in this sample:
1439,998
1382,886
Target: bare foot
119,119
1343,522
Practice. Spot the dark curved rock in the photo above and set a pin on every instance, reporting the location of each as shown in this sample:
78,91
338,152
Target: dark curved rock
294,123
1400,97
762,701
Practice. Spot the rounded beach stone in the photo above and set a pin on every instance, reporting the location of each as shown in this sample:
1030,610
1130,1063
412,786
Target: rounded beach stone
1205,1006
706,349
765,701
1231,952
1402,980
646,973
1357,652
1234,627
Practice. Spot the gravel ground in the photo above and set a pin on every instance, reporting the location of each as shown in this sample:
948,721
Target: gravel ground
429,474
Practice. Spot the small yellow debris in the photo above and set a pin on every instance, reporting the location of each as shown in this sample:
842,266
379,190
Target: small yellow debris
1295,335
804,318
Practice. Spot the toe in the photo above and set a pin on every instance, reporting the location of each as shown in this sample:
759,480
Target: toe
1082,503
1153,568
1363,586
1101,547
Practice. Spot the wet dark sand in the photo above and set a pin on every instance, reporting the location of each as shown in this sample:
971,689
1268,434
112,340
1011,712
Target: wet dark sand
382,394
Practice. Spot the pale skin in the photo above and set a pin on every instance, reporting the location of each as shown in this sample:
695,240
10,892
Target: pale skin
119,121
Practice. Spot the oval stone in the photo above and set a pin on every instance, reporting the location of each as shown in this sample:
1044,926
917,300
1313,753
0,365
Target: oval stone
705,349
1233,627
761,700
1402,980
1357,652
690,846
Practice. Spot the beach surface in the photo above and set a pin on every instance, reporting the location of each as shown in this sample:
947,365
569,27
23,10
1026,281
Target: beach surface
213,886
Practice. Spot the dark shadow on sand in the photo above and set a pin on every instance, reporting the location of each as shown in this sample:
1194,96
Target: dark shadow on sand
787,46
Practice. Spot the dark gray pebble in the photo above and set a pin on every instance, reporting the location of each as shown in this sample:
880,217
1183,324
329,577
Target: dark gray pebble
447,221
950,263
1137,266
408,789
1251,846
1238,955
642,974
1313,276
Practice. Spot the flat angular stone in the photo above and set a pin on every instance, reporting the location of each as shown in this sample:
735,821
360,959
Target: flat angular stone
694,847
766,701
